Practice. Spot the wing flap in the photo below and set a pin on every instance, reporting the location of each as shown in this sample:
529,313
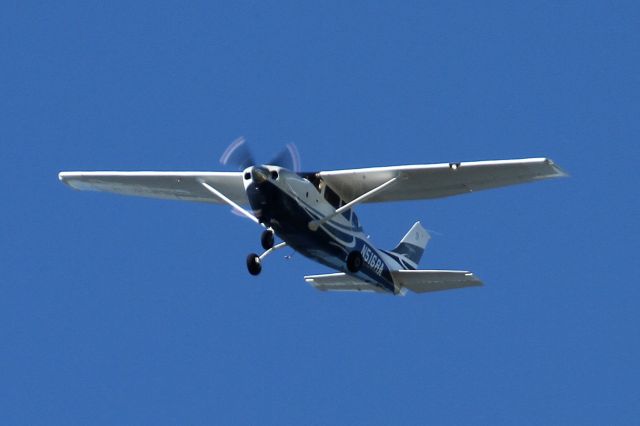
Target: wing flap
165,185
422,281
340,282
438,180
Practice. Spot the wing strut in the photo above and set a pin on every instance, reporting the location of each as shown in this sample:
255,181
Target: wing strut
227,200
314,224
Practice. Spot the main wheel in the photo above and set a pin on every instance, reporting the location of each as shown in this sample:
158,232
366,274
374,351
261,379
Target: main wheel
354,261
266,239
253,264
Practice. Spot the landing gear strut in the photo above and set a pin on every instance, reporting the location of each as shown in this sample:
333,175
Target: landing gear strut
354,261
254,262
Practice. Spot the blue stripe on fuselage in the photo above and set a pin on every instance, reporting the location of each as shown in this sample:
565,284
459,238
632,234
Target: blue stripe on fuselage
289,218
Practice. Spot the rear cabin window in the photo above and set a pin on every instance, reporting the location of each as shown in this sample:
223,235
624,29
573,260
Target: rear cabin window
355,221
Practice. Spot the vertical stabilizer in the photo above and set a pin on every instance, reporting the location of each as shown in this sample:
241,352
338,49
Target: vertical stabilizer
412,245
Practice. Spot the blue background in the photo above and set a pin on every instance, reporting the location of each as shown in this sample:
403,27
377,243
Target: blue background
117,310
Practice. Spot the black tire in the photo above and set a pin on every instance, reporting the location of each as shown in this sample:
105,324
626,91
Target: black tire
354,261
267,239
253,264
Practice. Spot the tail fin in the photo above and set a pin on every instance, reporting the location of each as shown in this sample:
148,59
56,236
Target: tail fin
412,245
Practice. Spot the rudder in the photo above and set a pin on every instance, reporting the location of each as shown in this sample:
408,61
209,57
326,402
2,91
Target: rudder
412,245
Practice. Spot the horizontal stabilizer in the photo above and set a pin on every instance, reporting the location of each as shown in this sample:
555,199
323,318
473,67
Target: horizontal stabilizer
422,281
340,282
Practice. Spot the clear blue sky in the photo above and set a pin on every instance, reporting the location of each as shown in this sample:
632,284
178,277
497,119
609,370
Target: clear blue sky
118,310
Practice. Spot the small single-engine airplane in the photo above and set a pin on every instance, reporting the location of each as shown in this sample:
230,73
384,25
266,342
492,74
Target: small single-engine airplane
313,212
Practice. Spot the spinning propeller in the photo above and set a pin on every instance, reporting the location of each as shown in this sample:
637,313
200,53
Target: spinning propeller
238,154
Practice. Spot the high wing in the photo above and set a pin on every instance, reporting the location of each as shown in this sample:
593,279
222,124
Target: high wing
437,180
422,281
168,185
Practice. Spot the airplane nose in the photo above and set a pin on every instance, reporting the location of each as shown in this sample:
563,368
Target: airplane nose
259,174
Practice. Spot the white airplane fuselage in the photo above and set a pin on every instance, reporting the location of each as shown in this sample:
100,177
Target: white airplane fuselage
287,202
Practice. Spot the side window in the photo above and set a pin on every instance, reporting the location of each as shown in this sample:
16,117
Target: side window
331,197
347,214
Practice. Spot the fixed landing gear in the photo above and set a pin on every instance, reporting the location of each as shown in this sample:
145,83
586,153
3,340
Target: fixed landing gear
354,261
254,265
267,239
254,261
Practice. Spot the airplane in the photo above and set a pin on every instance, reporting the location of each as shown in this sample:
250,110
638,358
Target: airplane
313,212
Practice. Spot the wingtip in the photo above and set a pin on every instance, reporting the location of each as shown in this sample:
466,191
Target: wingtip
475,280
66,178
560,172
